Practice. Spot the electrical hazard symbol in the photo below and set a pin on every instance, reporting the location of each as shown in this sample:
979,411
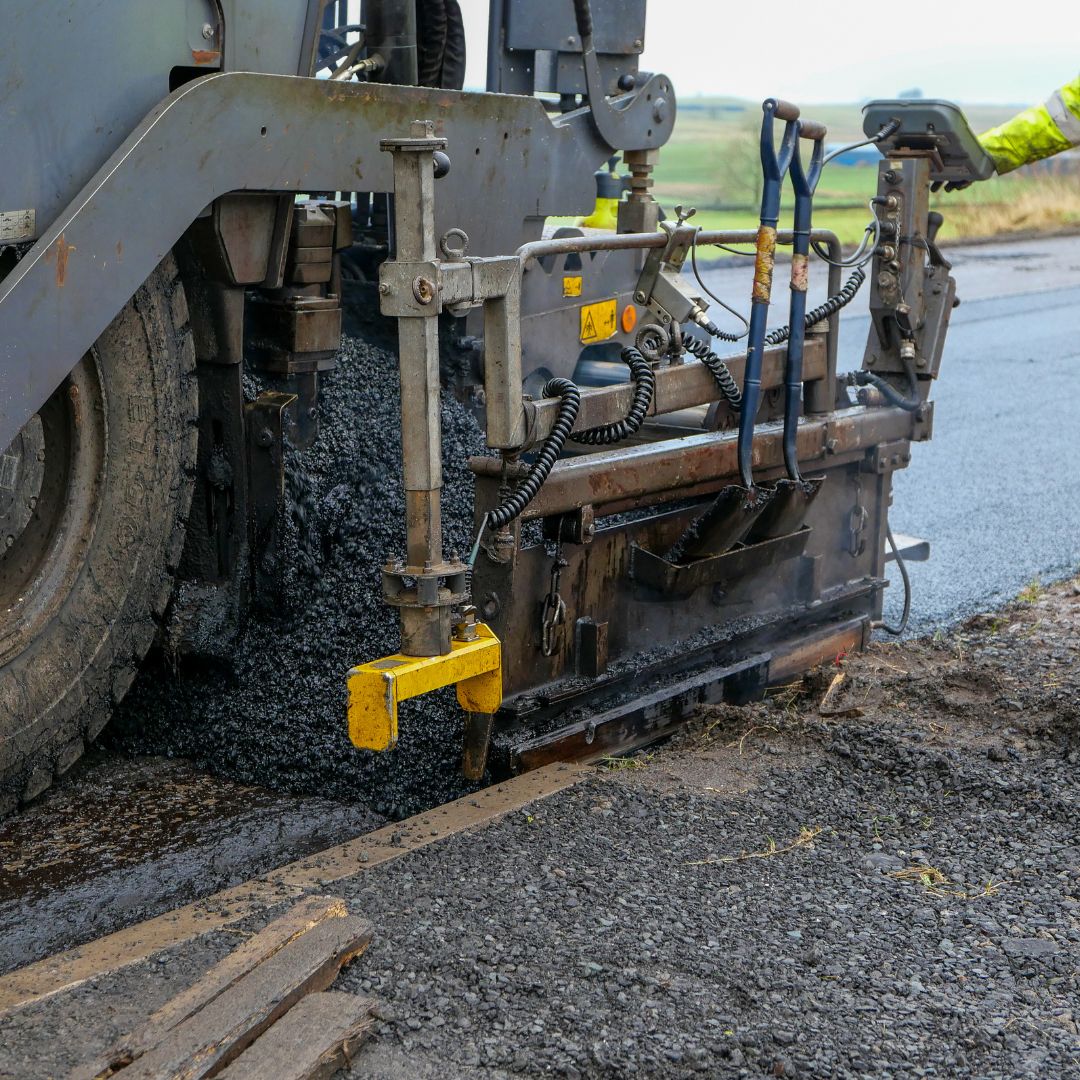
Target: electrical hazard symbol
598,321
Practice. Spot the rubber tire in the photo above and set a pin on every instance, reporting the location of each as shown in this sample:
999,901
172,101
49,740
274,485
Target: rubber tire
58,690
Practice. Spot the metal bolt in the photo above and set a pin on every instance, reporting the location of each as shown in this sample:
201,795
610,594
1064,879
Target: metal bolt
571,40
639,297
638,44
423,289
384,288
831,445
659,110
8,541
207,31
32,502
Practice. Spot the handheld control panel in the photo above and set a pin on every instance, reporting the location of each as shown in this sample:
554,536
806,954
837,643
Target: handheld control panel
937,128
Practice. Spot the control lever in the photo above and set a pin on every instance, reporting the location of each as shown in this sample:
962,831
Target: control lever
649,117
934,221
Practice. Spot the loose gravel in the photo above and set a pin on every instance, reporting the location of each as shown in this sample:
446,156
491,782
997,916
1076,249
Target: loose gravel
890,889
275,713
884,881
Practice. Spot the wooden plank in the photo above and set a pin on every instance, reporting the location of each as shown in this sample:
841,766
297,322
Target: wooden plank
208,1041
310,1042
72,968
298,920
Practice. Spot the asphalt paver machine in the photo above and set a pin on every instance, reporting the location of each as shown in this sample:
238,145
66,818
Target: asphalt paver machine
661,519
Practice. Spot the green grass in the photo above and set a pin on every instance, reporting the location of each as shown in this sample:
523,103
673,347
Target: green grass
711,162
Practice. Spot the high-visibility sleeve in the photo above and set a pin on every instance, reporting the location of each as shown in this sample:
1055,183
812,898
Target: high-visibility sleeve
1038,132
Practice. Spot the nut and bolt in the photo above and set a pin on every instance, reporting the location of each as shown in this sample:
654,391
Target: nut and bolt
384,288
207,31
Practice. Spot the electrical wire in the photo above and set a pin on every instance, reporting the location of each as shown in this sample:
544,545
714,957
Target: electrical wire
881,624
861,256
644,385
720,372
712,296
527,489
887,130
823,311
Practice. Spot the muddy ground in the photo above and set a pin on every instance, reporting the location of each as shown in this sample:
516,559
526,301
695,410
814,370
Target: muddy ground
874,872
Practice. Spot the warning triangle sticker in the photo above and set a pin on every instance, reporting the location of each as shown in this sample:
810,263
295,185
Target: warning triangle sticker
589,329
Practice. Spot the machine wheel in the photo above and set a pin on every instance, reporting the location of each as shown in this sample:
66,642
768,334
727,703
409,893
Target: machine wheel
94,495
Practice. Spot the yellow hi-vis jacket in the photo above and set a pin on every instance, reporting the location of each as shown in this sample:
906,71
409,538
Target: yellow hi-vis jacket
1038,132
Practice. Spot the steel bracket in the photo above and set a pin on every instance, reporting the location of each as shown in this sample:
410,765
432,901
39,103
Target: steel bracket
376,688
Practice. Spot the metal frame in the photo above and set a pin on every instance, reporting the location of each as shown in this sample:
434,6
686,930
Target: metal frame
239,131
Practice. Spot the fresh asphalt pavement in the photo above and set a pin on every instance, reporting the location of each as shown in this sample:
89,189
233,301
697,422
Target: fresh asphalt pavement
997,491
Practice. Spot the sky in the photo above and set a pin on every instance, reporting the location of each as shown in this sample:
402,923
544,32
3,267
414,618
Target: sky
962,50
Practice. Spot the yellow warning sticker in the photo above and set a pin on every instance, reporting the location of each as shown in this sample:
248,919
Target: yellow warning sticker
571,285
598,321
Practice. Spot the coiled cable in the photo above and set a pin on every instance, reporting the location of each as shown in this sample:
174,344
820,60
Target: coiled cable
644,386
823,311
528,487
724,379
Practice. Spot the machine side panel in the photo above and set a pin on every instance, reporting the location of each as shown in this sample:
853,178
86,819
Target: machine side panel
241,131
74,84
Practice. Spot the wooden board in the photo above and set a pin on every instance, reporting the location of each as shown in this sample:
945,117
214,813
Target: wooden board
298,920
66,970
203,1044
310,1042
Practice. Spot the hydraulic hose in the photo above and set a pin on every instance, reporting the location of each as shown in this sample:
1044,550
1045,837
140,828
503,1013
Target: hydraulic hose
823,311
644,385
540,469
888,391
901,626
724,379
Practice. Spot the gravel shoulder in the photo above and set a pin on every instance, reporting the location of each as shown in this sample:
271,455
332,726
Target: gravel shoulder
874,872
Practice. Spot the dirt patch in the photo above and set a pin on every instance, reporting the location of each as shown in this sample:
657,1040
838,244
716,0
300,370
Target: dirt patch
1002,683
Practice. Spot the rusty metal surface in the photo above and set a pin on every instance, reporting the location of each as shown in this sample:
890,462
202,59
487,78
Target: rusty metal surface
678,387
675,466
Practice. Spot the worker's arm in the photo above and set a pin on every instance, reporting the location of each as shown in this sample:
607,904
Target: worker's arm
1038,132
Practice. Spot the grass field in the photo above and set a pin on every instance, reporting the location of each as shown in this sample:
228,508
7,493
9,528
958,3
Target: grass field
712,163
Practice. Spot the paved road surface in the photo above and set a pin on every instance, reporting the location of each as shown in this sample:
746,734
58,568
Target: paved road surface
997,491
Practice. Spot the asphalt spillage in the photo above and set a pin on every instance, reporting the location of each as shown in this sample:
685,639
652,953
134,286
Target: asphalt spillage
274,712
118,841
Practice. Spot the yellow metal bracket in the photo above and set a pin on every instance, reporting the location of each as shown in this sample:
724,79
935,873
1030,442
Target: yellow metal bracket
376,688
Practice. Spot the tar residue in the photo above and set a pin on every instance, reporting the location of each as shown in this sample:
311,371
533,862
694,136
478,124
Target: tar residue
274,714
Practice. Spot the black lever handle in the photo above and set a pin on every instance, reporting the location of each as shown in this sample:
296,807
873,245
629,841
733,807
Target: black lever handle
934,222
583,14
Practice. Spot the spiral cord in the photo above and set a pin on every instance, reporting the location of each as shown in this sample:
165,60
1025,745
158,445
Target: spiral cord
823,311
724,379
540,469
644,386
